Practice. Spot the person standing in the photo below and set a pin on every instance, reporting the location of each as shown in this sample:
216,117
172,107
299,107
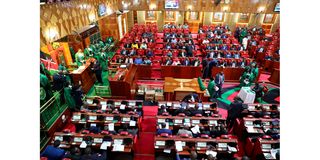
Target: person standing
98,71
234,111
211,89
219,80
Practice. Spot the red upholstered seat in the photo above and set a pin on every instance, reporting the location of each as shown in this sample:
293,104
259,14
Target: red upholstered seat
165,114
104,132
164,135
130,113
43,158
184,135
204,136
248,148
198,115
99,111
115,112
85,132
181,115
124,133
66,131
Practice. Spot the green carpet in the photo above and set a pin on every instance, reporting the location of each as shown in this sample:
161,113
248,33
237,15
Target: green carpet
225,95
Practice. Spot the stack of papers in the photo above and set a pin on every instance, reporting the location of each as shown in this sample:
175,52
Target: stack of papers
232,149
122,107
195,129
89,101
104,107
132,123
83,144
160,143
167,150
213,153
111,126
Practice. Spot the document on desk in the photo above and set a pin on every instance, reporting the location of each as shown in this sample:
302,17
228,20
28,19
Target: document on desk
104,107
274,152
89,101
105,144
118,147
103,102
251,129
213,153
132,123
83,144
118,141
195,129
111,126
167,150
232,149
179,146
122,107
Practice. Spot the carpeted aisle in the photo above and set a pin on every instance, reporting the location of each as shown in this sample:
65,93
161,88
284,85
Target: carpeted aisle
144,148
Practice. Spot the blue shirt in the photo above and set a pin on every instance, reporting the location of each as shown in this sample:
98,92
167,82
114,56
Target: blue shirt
53,153
164,131
138,61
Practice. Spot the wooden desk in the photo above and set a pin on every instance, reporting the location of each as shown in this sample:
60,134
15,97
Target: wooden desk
231,74
184,86
85,76
158,145
123,86
129,104
143,71
180,71
264,146
72,142
275,76
257,129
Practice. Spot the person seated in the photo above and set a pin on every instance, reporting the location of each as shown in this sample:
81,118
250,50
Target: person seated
168,61
218,131
189,49
163,109
182,53
203,131
168,46
186,62
196,111
145,40
233,64
147,61
193,156
200,31
185,26
143,46
195,62
174,40
94,129
224,47
133,52
88,154
74,153
176,62
185,130
53,152
149,53
163,129
211,54
228,55
127,45
125,128
205,41
169,53
134,45
258,89
236,55
138,60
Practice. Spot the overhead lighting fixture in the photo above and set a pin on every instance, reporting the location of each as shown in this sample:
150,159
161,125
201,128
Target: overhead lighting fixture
261,9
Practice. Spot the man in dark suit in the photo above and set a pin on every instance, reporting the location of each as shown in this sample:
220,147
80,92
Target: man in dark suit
189,50
168,61
234,111
59,80
193,97
53,152
196,111
163,129
88,155
186,62
258,90
74,154
219,82
98,71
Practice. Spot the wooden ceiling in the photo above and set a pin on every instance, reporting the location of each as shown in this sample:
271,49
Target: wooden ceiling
235,6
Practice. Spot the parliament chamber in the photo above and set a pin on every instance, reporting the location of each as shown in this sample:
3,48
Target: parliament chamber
160,80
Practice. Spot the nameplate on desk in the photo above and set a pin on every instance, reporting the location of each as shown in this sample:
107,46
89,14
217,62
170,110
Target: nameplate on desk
268,156
266,107
232,149
222,145
266,146
183,144
93,125
62,145
109,118
201,144
169,104
126,119
178,121
77,139
248,123
89,101
187,120
104,107
195,121
161,120
103,102
250,129
213,122
76,117
206,106
97,140
160,143
117,103
118,147
132,103
92,118
251,108
266,123
160,104
60,138
122,107
191,105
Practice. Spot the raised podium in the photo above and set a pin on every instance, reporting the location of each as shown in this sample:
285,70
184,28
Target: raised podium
84,75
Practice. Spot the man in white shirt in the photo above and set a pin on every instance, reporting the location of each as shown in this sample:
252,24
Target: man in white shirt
245,42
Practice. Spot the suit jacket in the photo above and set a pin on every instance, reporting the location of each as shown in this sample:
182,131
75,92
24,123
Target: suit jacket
188,97
183,131
94,156
53,153
193,113
235,110
217,79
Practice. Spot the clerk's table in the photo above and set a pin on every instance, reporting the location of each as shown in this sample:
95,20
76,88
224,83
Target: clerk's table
176,89
247,95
